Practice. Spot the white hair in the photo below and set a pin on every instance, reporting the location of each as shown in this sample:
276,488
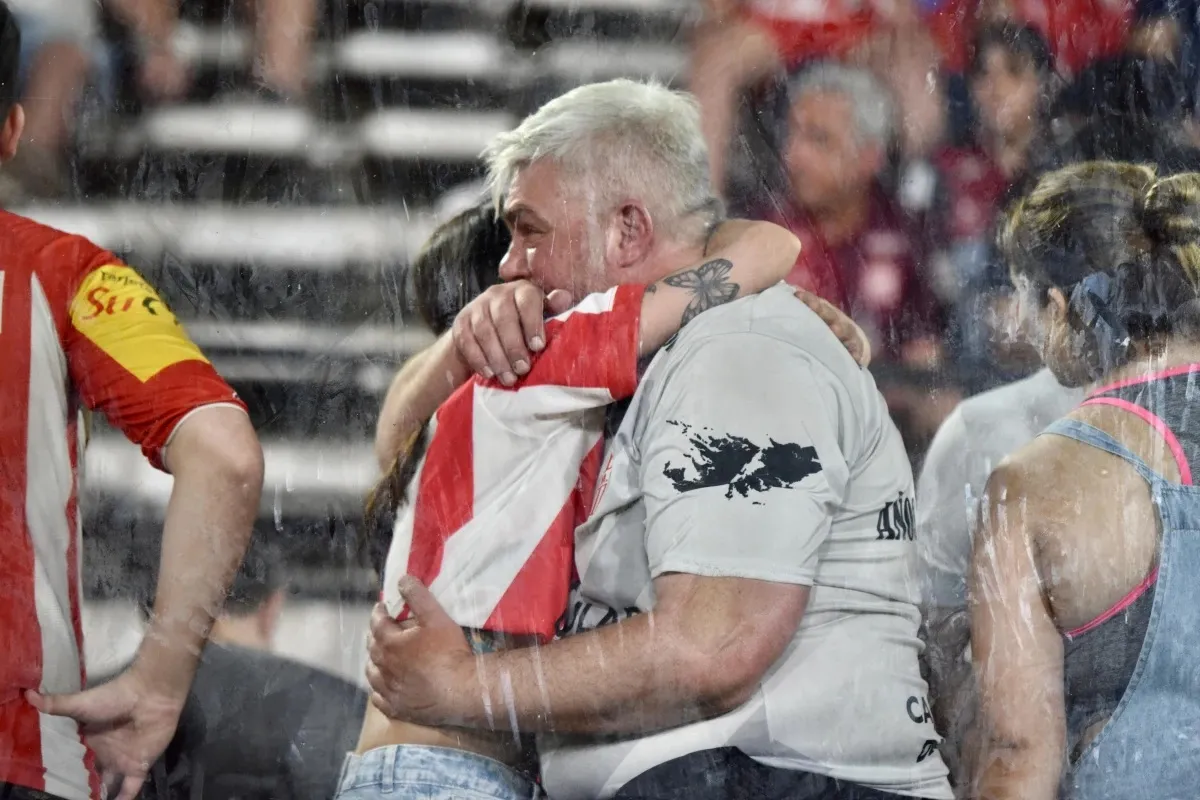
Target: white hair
623,138
870,103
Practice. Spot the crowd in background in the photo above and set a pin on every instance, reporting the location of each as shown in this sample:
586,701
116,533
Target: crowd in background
889,136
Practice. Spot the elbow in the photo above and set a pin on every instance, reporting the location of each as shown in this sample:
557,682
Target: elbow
220,450
722,681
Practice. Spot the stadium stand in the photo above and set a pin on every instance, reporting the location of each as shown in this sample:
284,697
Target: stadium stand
280,234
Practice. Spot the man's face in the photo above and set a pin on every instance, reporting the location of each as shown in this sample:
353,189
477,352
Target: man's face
554,233
1006,93
824,159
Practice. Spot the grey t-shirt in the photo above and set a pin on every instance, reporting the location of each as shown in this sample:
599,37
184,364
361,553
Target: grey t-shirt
755,447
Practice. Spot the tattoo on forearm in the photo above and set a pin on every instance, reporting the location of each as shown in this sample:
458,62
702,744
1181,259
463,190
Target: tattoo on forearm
709,284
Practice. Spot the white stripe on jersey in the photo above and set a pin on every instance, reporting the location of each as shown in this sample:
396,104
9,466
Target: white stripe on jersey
47,489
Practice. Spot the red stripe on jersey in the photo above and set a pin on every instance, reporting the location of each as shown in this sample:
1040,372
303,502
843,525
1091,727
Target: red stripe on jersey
446,497
542,583
21,666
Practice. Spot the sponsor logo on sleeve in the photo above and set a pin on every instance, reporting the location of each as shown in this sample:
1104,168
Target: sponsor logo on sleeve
738,464
123,316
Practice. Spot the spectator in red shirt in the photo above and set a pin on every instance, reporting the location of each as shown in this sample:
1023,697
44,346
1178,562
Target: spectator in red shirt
857,251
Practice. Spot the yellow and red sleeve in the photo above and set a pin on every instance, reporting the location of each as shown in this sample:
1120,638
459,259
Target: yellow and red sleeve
130,358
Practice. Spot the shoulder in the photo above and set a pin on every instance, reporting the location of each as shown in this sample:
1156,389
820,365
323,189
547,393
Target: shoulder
60,260
1018,482
24,234
773,321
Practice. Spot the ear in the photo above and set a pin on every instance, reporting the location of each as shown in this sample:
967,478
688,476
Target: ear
1058,305
268,615
630,236
10,134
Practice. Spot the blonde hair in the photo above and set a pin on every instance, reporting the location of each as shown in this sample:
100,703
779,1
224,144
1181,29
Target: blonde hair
1099,216
1141,231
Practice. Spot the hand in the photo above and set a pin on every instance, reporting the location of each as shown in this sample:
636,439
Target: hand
852,337
417,671
126,721
499,331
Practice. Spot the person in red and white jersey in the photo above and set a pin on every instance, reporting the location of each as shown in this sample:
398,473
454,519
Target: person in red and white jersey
81,330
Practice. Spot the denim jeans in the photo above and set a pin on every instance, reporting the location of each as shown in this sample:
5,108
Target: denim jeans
430,773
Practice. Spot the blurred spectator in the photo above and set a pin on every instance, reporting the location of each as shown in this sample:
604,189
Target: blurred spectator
857,249
283,32
256,725
1009,79
740,43
1127,108
60,47
62,54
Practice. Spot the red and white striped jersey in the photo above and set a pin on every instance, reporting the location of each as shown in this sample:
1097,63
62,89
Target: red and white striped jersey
510,471
78,330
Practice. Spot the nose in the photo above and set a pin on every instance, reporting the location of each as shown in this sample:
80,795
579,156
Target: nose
515,264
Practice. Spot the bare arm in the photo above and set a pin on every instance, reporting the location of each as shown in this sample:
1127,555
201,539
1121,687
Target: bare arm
744,258
218,468
424,382
1017,652
700,653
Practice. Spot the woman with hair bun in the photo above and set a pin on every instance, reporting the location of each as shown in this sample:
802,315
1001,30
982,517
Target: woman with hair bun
1084,592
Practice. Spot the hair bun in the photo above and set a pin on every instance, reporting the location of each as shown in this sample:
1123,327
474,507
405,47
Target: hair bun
1170,211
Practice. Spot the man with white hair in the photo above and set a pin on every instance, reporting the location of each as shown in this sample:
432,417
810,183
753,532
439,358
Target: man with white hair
745,619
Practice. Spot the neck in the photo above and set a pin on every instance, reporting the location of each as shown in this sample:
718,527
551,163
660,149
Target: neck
845,220
669,256
241,632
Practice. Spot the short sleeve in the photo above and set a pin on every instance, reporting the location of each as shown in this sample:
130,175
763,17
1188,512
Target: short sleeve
741,467
590,361
130,358
944,516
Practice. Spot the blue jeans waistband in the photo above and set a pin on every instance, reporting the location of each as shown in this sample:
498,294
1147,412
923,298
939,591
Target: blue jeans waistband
387,769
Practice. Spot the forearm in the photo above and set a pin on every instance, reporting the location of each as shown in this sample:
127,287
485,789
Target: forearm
743,258
618,679
208,524
1018,768
421,386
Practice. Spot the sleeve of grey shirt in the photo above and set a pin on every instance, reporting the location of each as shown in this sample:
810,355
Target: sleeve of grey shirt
741,465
